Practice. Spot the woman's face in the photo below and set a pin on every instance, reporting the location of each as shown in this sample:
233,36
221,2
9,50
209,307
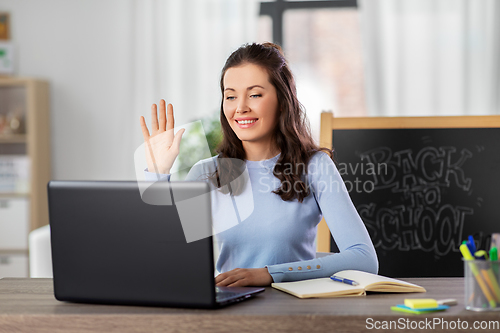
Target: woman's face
250,103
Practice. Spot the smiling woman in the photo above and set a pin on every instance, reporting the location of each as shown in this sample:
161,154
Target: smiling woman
257,82
251,109
271,183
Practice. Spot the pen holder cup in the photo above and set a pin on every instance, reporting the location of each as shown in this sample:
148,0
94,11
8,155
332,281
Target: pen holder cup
482,285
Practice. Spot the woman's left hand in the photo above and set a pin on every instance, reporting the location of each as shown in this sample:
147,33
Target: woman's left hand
243,277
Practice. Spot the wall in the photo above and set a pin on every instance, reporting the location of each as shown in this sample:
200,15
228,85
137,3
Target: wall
84,49
108,60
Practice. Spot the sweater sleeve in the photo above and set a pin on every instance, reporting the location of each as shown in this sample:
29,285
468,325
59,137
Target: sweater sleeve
196,173
347,228
153,177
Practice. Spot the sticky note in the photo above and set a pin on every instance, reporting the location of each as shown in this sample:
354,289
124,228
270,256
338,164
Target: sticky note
419,303
403,308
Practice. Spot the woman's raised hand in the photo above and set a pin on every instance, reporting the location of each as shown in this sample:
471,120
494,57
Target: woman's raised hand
162,147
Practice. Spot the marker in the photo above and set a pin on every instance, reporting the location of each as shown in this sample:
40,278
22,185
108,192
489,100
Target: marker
494,257
493,254
347,281
472,245
481,255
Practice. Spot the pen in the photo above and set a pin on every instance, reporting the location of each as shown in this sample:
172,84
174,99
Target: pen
347,281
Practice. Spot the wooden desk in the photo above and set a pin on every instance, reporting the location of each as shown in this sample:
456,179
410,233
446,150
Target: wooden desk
28,305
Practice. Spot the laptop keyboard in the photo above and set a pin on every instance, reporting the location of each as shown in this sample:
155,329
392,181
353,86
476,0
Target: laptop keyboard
221,295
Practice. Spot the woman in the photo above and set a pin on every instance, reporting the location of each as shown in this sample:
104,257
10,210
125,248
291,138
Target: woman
293,182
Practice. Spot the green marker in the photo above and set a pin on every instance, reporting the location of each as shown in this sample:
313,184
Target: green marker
493,254
494,257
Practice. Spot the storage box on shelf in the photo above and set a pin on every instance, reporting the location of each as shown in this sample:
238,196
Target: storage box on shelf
24,168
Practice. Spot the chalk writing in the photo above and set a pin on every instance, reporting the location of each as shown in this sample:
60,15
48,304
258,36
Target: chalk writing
421,219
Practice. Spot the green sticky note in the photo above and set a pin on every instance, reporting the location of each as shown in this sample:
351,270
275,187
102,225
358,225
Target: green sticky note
402,308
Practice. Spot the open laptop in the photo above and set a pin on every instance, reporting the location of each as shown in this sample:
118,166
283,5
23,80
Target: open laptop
109,246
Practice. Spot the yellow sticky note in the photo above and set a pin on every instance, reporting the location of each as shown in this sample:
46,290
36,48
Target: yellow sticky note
420,303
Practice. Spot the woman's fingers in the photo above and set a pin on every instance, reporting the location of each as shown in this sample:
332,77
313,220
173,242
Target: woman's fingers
241,277
163,117
177,139
164,120
221,277
232,281
170,116
227,278
154,119
144,127
225,281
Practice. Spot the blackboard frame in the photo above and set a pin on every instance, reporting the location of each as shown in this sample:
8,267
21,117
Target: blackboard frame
329,124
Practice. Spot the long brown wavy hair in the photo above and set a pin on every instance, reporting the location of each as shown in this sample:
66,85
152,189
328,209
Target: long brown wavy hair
292,133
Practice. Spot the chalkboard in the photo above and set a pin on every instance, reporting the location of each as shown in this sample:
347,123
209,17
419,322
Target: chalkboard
420,192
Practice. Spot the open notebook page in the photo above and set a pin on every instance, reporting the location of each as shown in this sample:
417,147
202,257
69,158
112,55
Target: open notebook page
373,282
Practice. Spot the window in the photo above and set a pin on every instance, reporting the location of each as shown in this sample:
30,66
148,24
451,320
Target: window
324,50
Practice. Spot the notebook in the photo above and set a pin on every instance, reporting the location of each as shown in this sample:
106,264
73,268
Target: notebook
326,287
110,246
